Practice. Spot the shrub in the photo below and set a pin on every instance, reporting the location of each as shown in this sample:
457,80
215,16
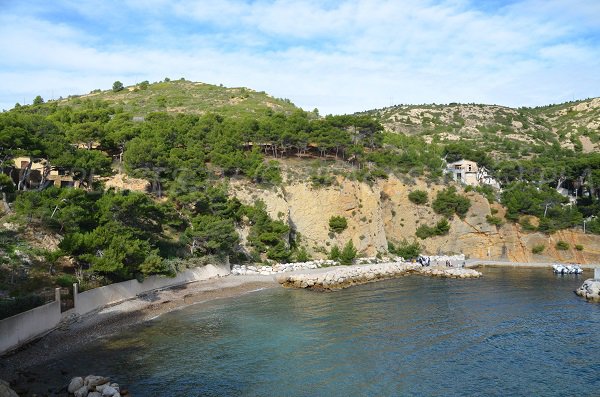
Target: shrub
424,232
11,307
579,247
405,249
418,197
334,254
441,228
538,249
348,254
302,255
66,280
448,203
527,225
494,220
562,245
338,224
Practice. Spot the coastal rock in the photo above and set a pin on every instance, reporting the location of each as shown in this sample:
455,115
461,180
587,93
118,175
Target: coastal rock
590,290
109,391
91,381
99,388
81,392
6,391
94,394
347,276
75,384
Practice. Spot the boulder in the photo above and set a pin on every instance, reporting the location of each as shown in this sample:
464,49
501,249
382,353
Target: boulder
109,391
75,384
101,387
94,394
6,391
81,392
92,381
590,289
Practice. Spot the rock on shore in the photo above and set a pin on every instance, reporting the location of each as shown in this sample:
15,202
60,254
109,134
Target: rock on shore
590,290
94,386
6,391
347,276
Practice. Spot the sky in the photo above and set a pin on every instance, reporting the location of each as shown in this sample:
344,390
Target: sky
338,56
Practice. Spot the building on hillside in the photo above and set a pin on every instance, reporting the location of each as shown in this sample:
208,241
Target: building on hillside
40,172
469,173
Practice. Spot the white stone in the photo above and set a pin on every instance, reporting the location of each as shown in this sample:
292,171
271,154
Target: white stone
109,391
75,384
81,392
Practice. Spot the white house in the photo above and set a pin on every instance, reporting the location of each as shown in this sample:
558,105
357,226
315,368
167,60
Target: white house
469,173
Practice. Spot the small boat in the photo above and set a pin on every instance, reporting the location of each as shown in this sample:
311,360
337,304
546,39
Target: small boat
566,269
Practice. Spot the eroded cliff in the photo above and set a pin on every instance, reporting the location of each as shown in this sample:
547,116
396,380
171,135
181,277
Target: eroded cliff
382,212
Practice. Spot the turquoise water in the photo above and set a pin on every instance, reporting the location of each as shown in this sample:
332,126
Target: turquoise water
513,332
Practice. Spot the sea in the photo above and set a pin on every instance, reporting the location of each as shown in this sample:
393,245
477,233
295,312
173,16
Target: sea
513,332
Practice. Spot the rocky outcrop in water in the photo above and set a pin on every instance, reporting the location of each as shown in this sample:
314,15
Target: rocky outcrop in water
590,290
347,276
94,386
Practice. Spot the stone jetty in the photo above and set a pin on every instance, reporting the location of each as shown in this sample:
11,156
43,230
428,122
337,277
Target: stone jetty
340,277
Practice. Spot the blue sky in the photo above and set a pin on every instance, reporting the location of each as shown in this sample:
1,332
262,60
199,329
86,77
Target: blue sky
337,56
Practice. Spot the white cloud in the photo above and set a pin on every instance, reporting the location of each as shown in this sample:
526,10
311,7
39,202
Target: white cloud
340,57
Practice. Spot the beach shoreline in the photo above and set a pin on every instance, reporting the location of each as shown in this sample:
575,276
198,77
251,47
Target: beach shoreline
79,331
76,332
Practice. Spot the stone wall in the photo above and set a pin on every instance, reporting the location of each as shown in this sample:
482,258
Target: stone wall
88,301
23,327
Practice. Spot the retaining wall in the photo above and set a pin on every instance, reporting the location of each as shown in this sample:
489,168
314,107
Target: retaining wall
88,301
23,327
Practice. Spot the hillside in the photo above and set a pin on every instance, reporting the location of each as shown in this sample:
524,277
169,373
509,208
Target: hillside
502,131
185,97
159,177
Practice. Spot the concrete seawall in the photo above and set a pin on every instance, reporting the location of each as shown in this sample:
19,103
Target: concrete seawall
340,277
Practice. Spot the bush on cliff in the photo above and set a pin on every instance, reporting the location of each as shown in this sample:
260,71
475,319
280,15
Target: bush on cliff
418,197
335,253
440,229
338,224
448,203
405,249
348,254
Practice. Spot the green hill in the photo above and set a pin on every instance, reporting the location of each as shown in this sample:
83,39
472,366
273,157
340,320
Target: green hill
182,96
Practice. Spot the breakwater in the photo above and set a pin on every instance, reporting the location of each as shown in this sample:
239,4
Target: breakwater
340,277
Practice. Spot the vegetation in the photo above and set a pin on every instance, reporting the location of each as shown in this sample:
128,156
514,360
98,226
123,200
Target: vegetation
338,224
538,249
188,139
448,203
494,220
348,254
405,249
562,245
440,229
419,197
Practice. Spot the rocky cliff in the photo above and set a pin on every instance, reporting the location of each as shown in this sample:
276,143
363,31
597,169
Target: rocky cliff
382,212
